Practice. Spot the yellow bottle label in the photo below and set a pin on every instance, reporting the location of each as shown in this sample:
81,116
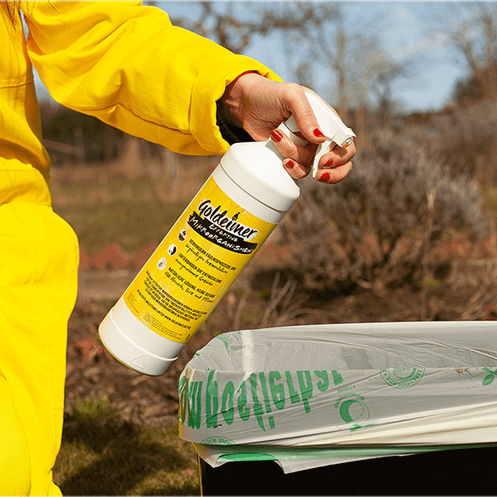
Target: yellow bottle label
195,264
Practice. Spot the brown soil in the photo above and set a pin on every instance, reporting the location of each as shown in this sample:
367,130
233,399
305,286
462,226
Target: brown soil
92,371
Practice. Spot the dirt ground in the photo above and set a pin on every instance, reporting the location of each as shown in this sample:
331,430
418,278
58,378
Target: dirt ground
92,371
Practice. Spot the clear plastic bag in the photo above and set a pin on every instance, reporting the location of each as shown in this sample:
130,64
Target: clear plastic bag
304,392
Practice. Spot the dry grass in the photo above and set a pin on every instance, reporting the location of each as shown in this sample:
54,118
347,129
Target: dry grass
102,454
131,201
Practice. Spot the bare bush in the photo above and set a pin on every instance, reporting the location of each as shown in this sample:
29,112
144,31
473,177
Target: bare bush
285,304
375,228
464,139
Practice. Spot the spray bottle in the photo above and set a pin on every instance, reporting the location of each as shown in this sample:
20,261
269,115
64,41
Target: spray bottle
223,227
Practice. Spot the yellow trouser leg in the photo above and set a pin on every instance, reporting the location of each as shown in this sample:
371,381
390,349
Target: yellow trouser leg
38,283
15,466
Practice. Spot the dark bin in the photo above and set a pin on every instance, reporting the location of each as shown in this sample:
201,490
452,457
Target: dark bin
470,471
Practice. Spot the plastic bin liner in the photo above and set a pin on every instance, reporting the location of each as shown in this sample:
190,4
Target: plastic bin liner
321,394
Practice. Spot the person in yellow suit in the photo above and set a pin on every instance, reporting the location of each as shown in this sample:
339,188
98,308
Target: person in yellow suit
129,66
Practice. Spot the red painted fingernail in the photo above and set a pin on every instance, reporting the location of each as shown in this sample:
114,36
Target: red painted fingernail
318,133
290,164
329,164
276,135
325,177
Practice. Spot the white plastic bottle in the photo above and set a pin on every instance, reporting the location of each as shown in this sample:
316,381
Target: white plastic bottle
205,251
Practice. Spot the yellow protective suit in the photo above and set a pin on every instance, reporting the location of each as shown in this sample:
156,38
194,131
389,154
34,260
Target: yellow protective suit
127,65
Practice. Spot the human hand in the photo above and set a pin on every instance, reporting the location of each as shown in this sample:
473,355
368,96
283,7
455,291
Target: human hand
260,105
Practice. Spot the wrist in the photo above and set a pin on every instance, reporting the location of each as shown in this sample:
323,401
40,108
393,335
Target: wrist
233,101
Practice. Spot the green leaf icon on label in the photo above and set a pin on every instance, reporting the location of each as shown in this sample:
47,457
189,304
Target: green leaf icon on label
490,377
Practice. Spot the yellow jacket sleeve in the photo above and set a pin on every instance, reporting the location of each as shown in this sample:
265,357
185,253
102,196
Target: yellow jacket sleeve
129,66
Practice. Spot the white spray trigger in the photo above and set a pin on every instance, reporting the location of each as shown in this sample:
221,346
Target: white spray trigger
329,123
332,127
322,149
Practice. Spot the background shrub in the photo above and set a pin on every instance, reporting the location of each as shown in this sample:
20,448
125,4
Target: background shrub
463,138
375,228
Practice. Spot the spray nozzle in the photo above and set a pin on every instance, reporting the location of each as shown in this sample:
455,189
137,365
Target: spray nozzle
330,124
